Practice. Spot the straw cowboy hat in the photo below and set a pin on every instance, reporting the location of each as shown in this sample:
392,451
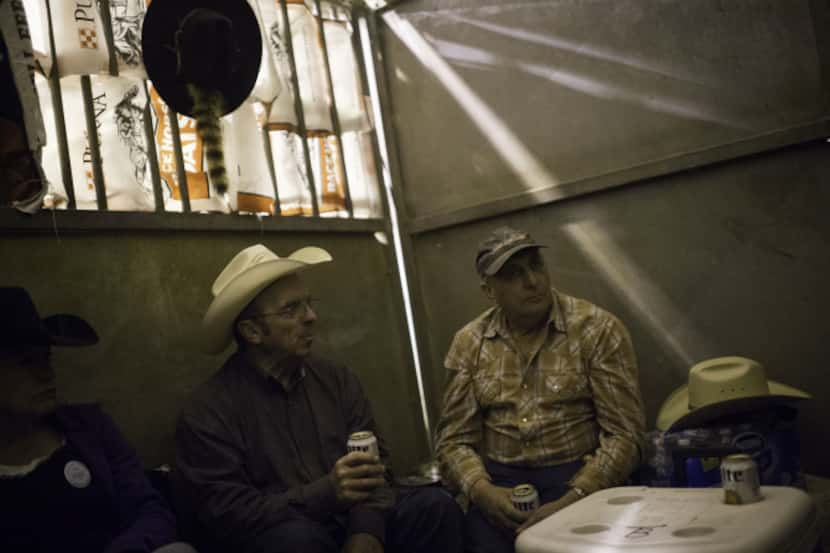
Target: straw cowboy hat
246,275
215,44
723,386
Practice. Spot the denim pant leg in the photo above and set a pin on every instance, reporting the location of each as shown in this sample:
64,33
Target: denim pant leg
294,536
551,483
482,537
425,520
175,547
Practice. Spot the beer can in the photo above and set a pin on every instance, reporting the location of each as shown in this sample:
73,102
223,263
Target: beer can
363,441
525,498
739,477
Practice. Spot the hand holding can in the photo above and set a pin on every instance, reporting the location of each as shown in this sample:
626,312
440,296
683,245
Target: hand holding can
359,472
364,441
525,498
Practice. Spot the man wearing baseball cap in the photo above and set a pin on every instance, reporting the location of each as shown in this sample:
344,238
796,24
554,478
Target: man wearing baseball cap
261,448
542,389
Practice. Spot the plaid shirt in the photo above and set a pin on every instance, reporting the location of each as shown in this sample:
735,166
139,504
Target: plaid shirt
577,398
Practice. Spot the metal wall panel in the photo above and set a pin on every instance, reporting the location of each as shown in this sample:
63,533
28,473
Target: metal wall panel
145,293
671,153
726,260
502,105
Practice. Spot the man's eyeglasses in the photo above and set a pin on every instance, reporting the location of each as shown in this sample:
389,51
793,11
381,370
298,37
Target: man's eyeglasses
292,310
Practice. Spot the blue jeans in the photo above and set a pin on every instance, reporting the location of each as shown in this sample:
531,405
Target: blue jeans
176,547
425,520
551,483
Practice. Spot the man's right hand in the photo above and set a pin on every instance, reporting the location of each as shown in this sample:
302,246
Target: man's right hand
494,502
355,476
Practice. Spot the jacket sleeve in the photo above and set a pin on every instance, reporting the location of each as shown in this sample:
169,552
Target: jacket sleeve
215,487
619,410
368,516
146,521
460,428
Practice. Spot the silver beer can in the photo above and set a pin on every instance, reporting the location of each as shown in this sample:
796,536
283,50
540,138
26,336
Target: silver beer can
364,441
739,476
525,498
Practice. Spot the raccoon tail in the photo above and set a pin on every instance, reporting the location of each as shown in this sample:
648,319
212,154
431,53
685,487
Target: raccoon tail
207,109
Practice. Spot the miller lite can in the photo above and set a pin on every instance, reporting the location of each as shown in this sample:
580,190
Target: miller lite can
739,477
363,441
525,498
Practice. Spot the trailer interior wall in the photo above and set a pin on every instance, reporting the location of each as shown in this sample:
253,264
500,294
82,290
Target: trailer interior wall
672,154
145,293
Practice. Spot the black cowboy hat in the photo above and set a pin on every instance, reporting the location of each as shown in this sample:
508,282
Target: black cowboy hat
214,44
20,324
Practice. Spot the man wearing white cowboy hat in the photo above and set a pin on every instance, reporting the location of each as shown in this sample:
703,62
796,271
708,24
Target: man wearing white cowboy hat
261,447
723,386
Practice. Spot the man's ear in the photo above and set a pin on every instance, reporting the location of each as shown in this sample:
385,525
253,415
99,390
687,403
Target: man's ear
249,331
487,289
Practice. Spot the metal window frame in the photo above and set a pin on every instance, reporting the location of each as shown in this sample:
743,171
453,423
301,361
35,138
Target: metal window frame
63,221
71,218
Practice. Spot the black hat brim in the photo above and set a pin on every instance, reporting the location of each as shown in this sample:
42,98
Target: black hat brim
69,330
162,20
21,325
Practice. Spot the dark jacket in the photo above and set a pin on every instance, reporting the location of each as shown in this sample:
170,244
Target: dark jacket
248,458
90,495
146,522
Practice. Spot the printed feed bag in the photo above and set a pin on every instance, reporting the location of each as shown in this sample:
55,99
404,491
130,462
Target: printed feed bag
118,106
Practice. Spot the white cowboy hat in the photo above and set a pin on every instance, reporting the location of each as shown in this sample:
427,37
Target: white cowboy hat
246,275
722,386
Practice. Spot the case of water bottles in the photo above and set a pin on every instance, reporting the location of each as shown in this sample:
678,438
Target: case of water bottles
691,458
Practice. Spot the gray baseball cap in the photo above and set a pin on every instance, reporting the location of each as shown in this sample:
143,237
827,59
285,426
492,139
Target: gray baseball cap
499,246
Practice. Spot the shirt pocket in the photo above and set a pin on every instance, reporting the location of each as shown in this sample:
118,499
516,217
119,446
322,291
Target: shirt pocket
567,387
487,386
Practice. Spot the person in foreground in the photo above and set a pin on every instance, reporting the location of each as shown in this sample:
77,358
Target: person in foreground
261,460
542,389
68,479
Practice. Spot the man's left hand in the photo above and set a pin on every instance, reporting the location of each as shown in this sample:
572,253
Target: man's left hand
362,543
548,509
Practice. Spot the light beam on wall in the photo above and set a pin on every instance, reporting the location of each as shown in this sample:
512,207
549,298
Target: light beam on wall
685,108
576,47
641,296
633,287
512,150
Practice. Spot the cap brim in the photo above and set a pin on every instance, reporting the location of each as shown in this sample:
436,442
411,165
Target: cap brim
227,305
502,259
675,415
